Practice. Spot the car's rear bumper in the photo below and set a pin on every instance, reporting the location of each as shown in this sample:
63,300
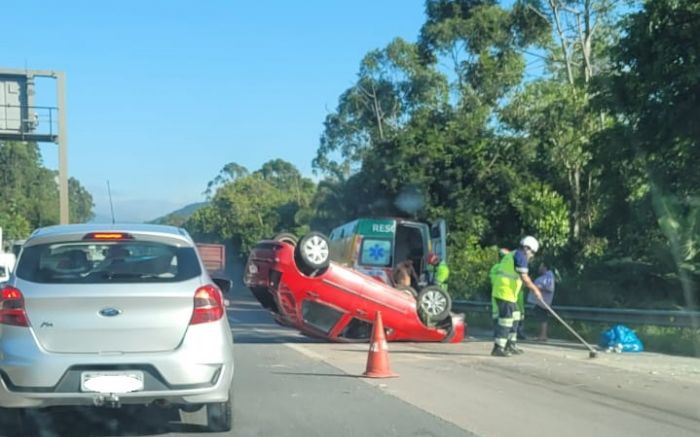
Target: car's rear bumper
216,392
200,370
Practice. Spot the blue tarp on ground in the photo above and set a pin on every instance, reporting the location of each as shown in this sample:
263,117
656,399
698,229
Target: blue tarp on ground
622,338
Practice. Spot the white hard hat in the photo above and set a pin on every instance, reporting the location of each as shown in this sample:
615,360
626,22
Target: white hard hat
530,242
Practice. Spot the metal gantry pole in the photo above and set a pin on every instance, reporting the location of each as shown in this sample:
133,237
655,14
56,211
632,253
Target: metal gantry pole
27,134
62,149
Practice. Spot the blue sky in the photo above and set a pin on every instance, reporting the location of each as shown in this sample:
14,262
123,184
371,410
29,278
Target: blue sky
162,94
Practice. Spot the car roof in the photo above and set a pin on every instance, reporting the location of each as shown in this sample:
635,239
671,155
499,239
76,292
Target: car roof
77,231
399,220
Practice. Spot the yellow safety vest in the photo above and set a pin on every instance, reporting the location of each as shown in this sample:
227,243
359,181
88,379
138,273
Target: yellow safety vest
505,281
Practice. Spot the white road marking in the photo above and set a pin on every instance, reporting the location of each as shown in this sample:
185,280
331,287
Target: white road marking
305,351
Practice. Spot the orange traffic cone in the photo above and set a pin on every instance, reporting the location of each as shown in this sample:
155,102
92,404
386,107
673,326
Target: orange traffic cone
378,357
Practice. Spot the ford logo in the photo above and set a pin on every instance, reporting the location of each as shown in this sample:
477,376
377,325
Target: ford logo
110,312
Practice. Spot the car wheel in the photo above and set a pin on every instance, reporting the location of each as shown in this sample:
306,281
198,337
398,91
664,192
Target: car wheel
11,419
434,304
286,237
312,253
191,408
219,416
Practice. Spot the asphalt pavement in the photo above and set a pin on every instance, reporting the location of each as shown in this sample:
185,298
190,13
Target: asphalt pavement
278,391
281,391
554,389
287,384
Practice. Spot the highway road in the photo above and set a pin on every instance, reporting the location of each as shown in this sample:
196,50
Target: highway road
287,384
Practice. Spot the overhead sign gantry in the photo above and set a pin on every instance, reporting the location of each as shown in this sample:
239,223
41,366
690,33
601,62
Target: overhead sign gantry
21,120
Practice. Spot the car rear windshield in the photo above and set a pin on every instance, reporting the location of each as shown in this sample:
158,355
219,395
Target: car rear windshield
89,262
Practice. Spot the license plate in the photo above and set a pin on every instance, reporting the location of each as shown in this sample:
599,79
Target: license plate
111,382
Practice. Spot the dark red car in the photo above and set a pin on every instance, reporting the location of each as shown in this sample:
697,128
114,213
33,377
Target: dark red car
304,290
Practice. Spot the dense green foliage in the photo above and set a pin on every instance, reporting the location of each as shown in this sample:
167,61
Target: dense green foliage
572,120
29,192
179,217
251,206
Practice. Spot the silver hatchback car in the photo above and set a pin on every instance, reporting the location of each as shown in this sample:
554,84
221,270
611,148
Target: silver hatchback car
108,315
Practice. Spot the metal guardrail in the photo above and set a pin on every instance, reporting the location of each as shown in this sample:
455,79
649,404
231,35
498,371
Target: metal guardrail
678,319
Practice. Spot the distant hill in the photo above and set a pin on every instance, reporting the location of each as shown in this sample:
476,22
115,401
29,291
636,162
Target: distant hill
101,218
177,218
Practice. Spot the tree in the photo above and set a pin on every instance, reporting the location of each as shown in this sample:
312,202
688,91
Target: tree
561,127
545,213
205,224
21,178
30,191
441,147
483,42
14,226
229,173
259,205
80,201
654,91
392,84
584,30
555,110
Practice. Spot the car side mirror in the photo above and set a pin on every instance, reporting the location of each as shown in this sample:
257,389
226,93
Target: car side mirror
223,284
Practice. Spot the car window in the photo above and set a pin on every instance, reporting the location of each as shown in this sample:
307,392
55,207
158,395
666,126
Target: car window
92,263
357,330
376,252
320,316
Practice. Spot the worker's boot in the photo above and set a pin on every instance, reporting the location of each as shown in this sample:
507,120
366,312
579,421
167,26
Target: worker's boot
513,349
498,351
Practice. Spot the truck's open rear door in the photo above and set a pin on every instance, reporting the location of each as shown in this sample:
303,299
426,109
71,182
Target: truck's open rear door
213,256
438,238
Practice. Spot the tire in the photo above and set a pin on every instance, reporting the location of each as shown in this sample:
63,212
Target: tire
313,253
190,408
11,420
434,304
286,237
219,417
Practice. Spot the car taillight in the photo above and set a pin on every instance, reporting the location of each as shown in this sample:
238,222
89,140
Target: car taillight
12,307
208,305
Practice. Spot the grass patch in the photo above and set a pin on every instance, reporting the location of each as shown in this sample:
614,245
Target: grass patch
667,340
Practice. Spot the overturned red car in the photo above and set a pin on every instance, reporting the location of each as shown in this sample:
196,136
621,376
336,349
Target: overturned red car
305,290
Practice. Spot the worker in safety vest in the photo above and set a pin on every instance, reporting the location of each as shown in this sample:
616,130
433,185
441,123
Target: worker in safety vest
494,270
507,278
438,271
520,308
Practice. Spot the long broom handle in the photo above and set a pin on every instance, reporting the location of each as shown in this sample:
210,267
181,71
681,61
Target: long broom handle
554,313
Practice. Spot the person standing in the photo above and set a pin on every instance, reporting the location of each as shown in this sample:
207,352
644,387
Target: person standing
520,307
507,279
438,271
545,282
492,272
